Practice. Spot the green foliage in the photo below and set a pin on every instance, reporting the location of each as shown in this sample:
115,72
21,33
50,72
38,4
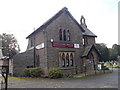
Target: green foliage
33,72
115,51
104,52
55,73
9,44
64,75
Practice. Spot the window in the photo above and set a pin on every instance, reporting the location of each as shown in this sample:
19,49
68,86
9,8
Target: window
67,60
71,59
83,41
64,33
60,34
63,60
68,35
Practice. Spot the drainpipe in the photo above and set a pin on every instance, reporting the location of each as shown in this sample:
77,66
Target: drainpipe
34,52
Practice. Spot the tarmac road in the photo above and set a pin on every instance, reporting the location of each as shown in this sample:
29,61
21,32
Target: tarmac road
102,81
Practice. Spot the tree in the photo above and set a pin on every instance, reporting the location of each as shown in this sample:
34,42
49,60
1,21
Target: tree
115,52
10,46
104,52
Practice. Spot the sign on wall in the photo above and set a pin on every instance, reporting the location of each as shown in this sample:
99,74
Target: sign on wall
65,45
76,46
40,46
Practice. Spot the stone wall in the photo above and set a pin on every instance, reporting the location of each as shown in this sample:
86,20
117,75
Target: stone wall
64,22
22,61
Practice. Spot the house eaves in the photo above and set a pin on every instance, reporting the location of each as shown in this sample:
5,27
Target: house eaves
87,31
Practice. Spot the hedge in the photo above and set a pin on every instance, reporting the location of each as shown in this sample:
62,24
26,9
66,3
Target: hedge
33,72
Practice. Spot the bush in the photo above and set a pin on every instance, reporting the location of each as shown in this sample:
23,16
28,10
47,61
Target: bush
64,75
33,72
68,75
55,73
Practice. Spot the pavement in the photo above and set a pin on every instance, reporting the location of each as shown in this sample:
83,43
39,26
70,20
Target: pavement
101,81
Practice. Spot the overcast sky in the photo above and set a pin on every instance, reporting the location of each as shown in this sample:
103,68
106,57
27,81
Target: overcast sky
19,17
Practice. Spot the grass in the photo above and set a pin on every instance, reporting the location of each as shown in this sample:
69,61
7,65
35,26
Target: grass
28,78
83,77
94,75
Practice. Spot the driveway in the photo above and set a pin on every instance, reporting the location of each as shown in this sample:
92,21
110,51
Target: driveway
102,81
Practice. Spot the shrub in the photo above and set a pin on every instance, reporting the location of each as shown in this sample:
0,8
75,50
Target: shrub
33,72
68,75
64,75
55,73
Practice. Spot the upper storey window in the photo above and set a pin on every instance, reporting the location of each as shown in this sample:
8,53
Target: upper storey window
68,35
60,34
64,35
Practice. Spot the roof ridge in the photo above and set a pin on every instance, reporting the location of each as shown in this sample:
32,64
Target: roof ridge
44,25
64,9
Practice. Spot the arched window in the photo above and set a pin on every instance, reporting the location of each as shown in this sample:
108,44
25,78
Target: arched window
71,59
60,34
67,60
68,35
64,33
63,60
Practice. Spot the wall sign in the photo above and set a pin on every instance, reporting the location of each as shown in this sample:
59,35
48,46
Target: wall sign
76,46
65,45
40,46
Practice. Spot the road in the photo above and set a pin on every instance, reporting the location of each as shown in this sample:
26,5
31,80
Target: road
102,81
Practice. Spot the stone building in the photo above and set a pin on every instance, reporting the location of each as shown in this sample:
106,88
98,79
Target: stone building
61,42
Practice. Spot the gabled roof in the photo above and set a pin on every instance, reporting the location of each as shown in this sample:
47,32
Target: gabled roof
87,31
53,18
88,50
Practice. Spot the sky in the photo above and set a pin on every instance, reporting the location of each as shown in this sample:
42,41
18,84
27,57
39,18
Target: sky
20,17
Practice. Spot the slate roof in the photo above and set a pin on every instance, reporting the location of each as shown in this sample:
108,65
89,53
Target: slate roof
87,31
88,49
53,18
